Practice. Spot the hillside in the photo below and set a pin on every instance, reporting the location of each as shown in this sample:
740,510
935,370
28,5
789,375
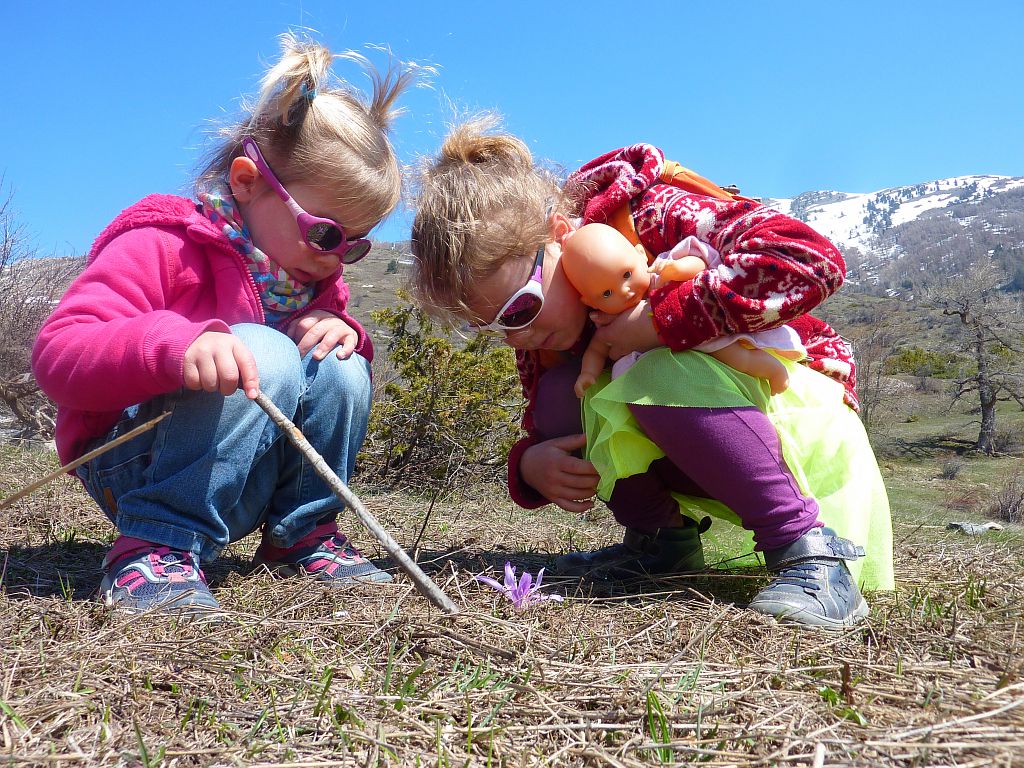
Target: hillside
374,281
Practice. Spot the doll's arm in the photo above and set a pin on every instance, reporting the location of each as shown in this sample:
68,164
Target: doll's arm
678,270
776,268
591,365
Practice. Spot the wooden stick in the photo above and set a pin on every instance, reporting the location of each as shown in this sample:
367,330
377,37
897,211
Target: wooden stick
423,582
83,459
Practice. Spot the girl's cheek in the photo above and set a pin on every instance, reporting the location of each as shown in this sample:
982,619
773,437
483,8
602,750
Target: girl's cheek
516,339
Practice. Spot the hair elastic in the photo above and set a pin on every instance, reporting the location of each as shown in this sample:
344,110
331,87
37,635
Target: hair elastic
308,93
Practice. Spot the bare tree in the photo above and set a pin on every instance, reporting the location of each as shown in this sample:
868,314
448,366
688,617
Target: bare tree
991,329
29,288
882,398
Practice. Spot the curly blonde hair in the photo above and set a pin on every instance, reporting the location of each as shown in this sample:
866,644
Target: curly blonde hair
321,132
480,202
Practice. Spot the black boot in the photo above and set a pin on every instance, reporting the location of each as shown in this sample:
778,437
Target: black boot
662,552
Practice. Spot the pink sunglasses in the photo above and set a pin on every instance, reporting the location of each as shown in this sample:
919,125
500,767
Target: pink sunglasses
325,235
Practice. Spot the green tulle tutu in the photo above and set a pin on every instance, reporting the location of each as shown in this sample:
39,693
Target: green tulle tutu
823,442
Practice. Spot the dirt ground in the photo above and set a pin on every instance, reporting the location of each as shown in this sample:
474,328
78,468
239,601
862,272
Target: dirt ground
674,672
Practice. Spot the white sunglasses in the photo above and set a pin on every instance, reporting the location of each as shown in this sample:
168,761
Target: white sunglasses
523,306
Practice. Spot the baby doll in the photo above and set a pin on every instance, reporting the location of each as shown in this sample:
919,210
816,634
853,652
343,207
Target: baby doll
612,275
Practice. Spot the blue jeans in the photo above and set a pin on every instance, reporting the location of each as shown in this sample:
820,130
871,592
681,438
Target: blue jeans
218,468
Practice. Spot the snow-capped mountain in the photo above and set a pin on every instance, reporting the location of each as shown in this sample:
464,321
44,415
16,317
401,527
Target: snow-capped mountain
932,220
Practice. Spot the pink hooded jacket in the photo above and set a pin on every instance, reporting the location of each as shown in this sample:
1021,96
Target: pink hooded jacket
159,276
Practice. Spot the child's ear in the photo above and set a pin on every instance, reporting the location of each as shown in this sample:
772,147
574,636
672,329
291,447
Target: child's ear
242,178
561,228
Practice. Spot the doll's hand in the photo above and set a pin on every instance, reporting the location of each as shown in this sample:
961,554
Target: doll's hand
220,362
583,382
324,331
560,477
629,331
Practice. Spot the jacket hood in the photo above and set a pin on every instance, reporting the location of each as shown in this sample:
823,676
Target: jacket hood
615,178
150,211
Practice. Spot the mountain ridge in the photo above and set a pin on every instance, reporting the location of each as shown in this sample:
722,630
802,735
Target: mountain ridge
876,230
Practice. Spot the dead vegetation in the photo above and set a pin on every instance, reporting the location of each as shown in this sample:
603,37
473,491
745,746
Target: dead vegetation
673,673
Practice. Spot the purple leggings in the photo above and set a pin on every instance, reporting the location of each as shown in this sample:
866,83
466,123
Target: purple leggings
729,454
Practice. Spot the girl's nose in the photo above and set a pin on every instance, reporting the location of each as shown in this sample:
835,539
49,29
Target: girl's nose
330,260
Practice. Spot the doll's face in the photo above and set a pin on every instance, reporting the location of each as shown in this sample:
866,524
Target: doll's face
609,272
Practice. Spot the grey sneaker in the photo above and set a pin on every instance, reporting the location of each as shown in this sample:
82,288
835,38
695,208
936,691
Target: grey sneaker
812,585
665,551
159,577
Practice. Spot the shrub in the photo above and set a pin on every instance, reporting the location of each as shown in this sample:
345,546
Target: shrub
443,408
951,468
962,499
1008,440
29,289
923,362
1008,503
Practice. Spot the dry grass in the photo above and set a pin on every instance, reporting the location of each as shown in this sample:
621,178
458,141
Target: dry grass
676,674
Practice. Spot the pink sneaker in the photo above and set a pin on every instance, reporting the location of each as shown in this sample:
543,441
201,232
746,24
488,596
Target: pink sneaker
155,577
325,554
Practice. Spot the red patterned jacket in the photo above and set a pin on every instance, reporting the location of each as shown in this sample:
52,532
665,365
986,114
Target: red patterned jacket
775,270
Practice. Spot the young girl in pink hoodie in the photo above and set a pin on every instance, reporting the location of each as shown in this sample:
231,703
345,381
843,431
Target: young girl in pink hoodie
195,306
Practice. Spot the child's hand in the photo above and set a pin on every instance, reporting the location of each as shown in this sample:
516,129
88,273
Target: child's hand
629,331
220,362
552,470
677,270
324,331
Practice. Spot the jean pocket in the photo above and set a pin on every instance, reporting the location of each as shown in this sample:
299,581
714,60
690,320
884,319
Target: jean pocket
107,485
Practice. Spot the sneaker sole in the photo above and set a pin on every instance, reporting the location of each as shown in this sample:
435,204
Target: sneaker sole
179,605
789,616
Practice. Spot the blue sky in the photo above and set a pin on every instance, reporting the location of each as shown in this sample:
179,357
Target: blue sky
106,102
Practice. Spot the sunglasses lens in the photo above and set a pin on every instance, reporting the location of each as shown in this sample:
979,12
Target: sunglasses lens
324,236
357,249
522,312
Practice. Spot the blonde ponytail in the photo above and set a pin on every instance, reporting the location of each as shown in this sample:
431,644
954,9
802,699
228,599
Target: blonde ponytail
289,87
470,143
314,128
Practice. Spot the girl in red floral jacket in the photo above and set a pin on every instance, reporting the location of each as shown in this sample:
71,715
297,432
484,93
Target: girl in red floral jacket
680,435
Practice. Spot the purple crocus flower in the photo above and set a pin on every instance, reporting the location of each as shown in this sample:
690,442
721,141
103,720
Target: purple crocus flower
522,592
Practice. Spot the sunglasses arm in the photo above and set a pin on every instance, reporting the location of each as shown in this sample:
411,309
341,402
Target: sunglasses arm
253,153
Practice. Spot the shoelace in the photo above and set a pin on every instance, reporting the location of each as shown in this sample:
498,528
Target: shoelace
347,550
801,575
175,565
